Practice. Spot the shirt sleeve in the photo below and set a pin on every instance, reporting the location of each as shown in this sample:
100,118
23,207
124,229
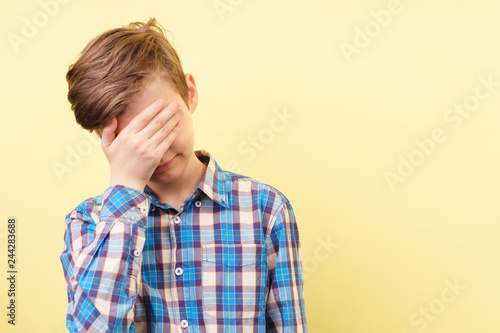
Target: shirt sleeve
102,260
285,311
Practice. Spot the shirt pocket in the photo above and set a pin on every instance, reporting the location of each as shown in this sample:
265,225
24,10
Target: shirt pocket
234,280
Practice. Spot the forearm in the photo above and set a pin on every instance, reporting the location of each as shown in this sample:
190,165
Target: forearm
285,310
102,260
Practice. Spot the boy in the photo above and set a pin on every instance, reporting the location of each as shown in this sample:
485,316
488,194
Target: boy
175,243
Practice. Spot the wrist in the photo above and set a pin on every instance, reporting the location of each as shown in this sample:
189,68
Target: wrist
129,183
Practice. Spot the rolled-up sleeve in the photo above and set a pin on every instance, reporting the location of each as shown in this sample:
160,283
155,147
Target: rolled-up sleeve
102,260
285,311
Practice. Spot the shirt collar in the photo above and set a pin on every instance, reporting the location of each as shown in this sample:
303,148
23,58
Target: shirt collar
215,183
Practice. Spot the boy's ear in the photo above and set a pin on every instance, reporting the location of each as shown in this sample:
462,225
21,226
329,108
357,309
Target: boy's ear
192,92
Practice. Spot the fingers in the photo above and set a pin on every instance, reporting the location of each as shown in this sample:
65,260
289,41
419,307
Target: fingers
169,139
144,119
161,119
167,126
153,126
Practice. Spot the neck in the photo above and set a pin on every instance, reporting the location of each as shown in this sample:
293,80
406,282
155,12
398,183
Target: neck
178,190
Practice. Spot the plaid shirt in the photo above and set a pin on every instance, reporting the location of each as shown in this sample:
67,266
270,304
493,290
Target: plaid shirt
228,261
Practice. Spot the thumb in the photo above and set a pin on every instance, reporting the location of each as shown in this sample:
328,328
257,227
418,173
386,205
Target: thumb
108,132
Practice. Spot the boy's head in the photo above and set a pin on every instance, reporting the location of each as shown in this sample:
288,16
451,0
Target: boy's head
113,67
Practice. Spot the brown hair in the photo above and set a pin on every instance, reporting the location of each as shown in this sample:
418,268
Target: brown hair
112,67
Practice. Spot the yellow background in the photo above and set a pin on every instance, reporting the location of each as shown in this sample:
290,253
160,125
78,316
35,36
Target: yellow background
376,256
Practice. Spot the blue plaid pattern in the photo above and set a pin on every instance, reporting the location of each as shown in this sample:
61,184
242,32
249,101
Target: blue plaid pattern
228,261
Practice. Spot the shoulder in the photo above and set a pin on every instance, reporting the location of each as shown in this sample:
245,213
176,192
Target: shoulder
247,183
244,191
88,210
249,194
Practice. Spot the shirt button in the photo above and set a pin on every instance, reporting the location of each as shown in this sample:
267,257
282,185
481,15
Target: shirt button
177,220
184,323
153,208
144,210
137,253
197,203
179,271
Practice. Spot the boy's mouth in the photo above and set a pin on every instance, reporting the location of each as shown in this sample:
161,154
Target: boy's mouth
165,165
